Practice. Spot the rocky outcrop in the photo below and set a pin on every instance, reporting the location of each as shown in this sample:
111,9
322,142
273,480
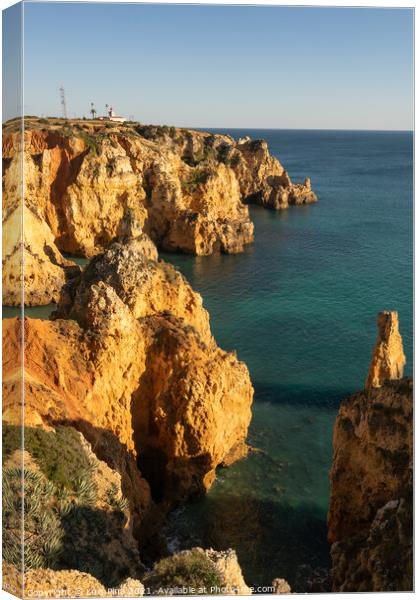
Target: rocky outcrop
388,358
144,284
130,363
89,183
227,563
280,586
197,572
370,515
378,559
34,271
47,583
263,180
135,357
169,576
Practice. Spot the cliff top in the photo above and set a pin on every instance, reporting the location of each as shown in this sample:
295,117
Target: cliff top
95,126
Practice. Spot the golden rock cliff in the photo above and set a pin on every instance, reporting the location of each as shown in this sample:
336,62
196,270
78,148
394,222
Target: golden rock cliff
87,182
134,356
45,271
370,520
263,180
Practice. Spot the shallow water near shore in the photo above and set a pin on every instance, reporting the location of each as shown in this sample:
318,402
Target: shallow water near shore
299,307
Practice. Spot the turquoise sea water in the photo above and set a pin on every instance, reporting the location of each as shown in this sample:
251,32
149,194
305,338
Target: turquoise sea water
299,306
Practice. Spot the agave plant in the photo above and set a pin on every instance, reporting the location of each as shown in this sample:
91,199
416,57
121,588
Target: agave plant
32,531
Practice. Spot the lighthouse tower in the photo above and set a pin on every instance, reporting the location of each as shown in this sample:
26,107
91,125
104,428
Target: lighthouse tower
111,116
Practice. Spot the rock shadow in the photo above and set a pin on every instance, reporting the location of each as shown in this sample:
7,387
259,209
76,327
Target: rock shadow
271,539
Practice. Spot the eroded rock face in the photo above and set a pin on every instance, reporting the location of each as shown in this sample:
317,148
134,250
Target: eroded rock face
32,264
370,515
136,358
90,185
263,180
144,284
380,558
388,358
227,563
180,410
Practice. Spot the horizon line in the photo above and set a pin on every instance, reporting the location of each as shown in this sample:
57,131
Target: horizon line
307,129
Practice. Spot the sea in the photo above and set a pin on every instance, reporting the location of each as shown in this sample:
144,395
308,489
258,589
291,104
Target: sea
299,306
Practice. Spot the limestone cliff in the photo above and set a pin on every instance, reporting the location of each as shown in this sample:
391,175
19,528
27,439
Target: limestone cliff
263,180
130,363
135,357
87,183
370,520
388,358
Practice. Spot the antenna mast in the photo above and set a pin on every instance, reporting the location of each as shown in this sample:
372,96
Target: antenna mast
63,101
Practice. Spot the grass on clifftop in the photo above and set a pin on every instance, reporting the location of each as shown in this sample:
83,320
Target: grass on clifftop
59,454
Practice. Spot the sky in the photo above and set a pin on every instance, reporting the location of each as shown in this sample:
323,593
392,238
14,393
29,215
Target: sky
222,66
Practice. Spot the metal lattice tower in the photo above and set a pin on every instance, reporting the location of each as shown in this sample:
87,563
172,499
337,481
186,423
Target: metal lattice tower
63,102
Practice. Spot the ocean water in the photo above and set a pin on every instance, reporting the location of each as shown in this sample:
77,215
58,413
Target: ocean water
300,307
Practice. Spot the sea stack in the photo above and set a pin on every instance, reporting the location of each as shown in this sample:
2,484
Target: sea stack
370,519
388,359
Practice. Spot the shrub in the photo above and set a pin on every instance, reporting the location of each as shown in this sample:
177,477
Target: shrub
64,527
59,453
115,499
43,533
198,177
235,160
191,569
223,153
91,142
111,166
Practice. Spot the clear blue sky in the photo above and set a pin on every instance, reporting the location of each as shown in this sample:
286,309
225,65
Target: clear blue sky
223,66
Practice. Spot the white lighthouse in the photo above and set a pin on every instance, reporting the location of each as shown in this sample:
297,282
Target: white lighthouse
111,116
